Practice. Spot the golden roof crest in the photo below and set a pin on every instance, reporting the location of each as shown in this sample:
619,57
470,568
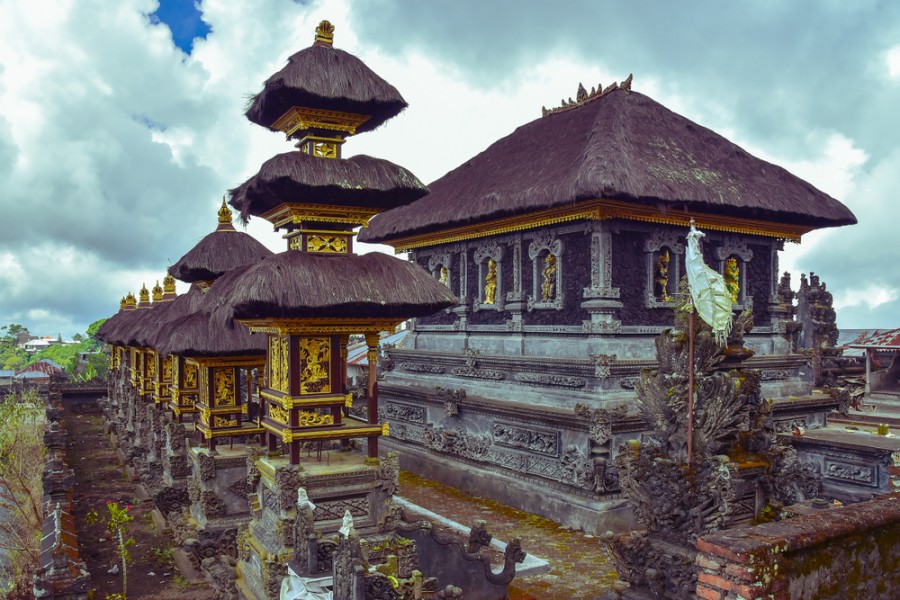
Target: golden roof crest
145,294
224,213
168,285
157,292
325,33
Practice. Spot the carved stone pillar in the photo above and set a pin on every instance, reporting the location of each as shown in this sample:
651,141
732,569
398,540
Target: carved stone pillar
601,300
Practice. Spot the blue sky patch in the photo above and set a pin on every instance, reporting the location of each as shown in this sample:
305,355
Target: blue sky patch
184,19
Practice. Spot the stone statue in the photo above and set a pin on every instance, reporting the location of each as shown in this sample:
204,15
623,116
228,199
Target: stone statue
661,277
732,276
548,287
445,276
490,283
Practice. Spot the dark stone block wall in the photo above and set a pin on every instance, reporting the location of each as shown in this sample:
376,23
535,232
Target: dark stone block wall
759,283
629,274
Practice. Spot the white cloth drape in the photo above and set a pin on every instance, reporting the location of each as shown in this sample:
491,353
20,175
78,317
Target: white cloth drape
710,296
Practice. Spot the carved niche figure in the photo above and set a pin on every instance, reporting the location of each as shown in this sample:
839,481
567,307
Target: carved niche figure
445,276
732,277
661,277
490,283
548,287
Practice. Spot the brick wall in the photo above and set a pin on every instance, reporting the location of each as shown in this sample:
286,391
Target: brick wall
835,554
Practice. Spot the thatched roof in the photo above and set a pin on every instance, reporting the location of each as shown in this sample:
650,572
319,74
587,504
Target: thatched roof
202,334
185,304
109,325
218,252
125,324
621,146
302,285
323,77
360,181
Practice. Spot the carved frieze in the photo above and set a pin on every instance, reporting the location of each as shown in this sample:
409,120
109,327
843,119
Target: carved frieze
550,380
419,368
405,412
327,510
532,440
843,471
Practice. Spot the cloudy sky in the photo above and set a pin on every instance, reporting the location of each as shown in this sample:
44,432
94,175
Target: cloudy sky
121,122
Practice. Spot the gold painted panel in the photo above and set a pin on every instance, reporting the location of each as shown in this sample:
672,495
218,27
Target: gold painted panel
276,413
224,386
224,422
315,365
190,375
331,244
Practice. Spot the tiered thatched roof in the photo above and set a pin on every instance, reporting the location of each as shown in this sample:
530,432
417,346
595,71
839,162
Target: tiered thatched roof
620,146
303,285
218,252
201,334
360,181
323,77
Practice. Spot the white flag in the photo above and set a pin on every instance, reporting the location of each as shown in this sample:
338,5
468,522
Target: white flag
710,296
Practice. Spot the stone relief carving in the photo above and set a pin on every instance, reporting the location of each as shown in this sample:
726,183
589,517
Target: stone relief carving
532,440
603,365
207,466
842,471
419,368
287,480
733,247
405,412
550,380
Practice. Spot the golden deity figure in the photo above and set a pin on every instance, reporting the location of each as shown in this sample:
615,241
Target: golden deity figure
732,277
490,283
445,276
661,277
548,287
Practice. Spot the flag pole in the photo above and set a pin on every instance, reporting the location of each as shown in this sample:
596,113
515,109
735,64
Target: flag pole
690,425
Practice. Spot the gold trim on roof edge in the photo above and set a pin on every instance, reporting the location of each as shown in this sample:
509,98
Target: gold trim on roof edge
600,210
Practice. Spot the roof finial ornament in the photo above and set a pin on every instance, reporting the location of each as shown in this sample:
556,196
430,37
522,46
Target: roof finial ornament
583,97
157,292
224,213
168,285
325,33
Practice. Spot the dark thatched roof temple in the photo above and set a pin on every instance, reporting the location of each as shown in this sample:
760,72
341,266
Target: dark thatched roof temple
614,151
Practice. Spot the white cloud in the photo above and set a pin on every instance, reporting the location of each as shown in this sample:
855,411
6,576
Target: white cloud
892,61
115,148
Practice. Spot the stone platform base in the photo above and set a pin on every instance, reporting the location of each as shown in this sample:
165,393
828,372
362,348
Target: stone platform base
595,517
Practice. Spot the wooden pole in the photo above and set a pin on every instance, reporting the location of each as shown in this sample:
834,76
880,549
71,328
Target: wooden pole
690,415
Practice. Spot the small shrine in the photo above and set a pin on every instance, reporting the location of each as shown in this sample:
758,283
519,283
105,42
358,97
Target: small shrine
311,298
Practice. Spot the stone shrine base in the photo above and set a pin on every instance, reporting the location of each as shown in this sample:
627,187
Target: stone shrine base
342,480
592,516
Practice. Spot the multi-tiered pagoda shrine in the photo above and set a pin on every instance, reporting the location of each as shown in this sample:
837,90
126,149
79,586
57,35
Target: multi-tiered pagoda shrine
311,298
565,243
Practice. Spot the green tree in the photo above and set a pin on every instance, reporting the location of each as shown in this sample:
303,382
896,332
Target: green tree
21,448
77,337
